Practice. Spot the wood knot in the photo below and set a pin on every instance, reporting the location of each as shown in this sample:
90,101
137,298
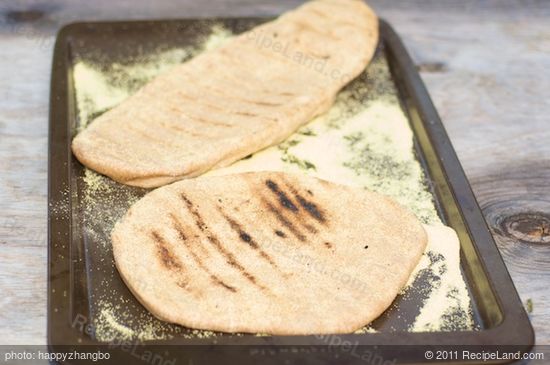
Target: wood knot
527,227
24,16
432,67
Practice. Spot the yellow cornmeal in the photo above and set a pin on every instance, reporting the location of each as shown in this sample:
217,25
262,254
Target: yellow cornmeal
98,91
364,140
362,152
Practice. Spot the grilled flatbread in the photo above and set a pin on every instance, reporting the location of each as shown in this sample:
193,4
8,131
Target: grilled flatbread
223,105
267,252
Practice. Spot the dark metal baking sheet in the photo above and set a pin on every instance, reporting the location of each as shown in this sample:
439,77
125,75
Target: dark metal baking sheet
80,271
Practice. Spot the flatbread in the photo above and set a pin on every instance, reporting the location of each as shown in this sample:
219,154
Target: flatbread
267,252
223,105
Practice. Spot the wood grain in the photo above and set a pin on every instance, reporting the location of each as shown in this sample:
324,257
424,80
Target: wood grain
485,64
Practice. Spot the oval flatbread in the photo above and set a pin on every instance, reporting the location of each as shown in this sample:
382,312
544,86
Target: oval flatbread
267,252
227,103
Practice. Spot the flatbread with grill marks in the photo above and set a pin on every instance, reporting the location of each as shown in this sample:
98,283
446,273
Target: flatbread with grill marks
267,252
226,103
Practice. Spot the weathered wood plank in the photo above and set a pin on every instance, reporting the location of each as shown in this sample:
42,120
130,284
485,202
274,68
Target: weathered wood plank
489,92
485,64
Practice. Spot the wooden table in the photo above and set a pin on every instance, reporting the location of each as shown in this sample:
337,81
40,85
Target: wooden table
485,63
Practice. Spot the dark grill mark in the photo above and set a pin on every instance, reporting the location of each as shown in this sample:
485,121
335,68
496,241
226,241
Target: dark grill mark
246,114
199,102
310,228
210,122
179,228
219,282
312,208
283,198
216,107
179,129
166,256
264,103
145,135
247,238
311,28
230,258
280,233
214,278
240,98
285,222
328,244
250,114
198,218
